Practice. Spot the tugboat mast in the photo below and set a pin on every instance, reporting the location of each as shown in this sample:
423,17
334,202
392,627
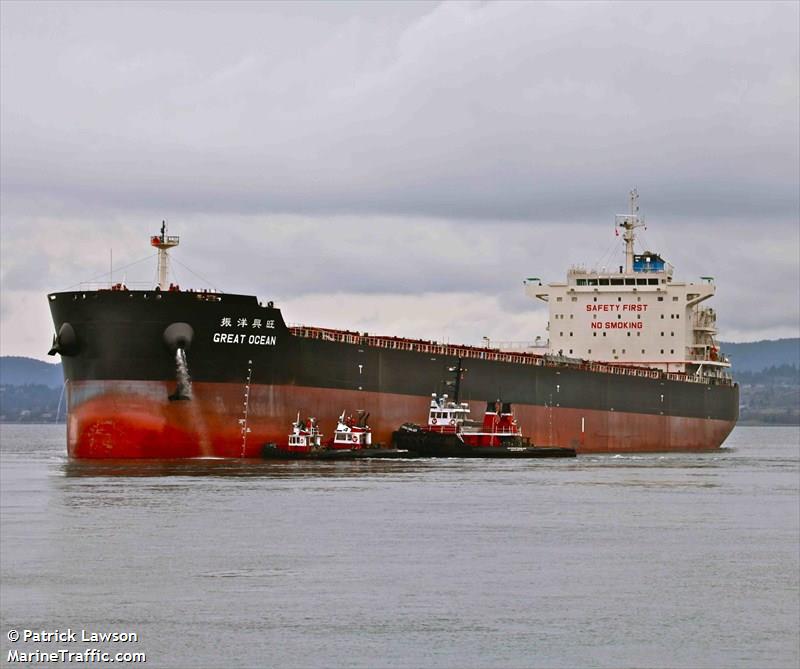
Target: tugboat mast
458,371
629,222
163,243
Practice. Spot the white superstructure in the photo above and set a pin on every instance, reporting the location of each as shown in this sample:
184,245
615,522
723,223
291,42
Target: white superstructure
637,316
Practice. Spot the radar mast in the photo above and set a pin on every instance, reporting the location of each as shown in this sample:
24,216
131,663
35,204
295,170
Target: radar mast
629,222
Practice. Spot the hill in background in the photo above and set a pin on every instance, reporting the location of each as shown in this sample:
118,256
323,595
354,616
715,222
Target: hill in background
17,371
30,391
755,356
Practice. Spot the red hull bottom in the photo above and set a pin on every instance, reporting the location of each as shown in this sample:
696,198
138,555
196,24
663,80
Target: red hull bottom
125,419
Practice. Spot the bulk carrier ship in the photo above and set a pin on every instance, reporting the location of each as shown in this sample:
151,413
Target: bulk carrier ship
632,365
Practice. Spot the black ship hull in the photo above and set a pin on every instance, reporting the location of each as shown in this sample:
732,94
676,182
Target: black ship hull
123,360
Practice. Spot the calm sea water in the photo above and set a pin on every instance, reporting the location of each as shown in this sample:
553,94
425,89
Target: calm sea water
678,560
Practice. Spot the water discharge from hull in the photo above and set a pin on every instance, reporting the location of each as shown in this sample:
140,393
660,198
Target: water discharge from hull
61,399
184,389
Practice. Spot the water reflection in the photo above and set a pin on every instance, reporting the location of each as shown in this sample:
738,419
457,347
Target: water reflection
232,468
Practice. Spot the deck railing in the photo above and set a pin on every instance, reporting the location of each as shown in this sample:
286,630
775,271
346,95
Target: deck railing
494,355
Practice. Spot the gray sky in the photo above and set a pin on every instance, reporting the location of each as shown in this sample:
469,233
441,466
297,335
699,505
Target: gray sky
399,168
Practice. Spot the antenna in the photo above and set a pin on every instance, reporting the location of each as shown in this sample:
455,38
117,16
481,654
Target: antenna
458,370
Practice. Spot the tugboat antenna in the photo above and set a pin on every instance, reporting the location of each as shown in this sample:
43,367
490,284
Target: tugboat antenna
458,370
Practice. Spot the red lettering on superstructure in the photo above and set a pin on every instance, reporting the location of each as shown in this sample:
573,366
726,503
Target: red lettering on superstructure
616,307
623,325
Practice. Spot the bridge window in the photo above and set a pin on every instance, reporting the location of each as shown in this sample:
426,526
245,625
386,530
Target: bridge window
581,282
630,282
617,282
591,282
641,282
603,282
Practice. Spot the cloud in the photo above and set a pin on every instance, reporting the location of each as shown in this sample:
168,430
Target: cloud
389,155
498,110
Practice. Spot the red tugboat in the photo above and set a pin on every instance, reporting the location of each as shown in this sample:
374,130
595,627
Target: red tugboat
352,433
450,433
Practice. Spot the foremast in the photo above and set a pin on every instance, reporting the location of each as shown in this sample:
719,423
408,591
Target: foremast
164,243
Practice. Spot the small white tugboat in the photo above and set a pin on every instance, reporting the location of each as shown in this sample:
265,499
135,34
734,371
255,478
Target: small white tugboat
352,433
304,441
305,436
351,440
